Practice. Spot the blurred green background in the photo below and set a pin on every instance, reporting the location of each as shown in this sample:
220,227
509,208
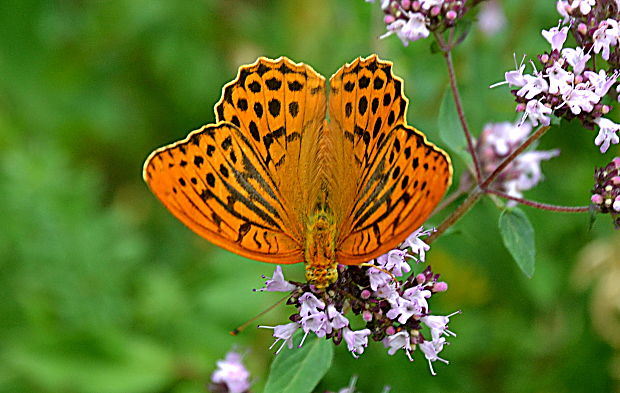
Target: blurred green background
103,291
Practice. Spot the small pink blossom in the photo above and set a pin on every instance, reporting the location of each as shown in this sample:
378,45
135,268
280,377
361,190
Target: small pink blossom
284,333
577,58
277,283
416,245
601,82
585,6
400,340
534,85
431,349
537,112
310,304
606,35
232,373
408,31
608,133
356,340
556,36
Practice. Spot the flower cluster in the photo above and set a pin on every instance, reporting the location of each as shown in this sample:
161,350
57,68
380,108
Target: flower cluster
568,84
412,20
594,24
606,191
393,311
231,376
496,142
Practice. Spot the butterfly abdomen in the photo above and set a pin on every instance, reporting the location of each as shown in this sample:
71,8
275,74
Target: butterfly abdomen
320,250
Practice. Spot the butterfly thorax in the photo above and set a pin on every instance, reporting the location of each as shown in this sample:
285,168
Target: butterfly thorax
320,250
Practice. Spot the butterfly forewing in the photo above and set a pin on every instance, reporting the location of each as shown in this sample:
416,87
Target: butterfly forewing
280,105
398,175
215,183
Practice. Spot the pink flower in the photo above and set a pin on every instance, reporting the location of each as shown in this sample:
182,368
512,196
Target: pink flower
400,340
556,36
411,30
416,245
577,58
232,373
608,133
284,333
601,82
431,349
537,112
607,34
310,304
356,340
277,282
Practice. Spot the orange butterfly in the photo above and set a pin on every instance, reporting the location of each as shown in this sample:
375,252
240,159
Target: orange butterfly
274,181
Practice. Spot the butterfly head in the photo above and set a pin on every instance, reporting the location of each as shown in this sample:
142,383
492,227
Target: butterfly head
320,252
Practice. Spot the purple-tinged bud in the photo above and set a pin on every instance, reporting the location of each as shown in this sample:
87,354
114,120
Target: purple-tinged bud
420,278
605,109
521,107
415,5
615,180
582,28
440,286
597,199
451,15
367,316
544,58
578,79
405,4
435,10
388,19
616,162
390,330
365,294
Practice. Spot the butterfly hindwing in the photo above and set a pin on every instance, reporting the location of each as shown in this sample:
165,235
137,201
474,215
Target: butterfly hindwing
407,179
215,183
280,105
399,176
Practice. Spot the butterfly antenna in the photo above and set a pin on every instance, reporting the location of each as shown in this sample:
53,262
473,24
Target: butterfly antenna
241,327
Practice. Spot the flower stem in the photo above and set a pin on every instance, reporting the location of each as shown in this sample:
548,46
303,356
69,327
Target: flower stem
540,205
536,135
447,54
479,191
447,201
456,214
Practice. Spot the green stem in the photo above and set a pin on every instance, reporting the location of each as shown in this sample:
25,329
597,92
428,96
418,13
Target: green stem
447,54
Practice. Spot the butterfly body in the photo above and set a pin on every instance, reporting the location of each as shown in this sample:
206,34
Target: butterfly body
320,249
274,181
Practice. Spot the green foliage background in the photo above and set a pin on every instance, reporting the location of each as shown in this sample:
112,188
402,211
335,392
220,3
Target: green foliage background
103,291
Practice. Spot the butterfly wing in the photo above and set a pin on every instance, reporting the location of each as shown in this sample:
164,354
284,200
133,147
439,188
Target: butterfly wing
399,177
232,182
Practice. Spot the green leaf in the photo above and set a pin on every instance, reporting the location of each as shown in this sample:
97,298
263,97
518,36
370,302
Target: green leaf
518,235
299,370
450,130
593,211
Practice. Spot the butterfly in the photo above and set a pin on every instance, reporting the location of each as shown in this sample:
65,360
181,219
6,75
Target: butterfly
273,180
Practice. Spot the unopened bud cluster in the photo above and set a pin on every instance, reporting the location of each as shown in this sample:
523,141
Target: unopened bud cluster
606,191
414,20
